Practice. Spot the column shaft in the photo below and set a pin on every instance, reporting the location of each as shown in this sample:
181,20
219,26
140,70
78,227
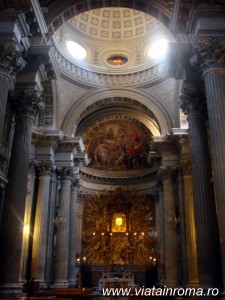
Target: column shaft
28,229
40,236
78,234
215,94
51,227
190,236
4,88
62,240
204,203
170,232
160,238
26,105
73,240
14,205
207,236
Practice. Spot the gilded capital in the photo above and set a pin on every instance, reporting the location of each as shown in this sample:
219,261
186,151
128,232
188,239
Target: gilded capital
209,56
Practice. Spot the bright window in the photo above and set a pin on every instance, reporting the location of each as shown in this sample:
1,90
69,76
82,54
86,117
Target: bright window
76,50
158,49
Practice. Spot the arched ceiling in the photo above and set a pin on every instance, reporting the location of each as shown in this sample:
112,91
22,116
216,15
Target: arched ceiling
109,34
57,11
116,122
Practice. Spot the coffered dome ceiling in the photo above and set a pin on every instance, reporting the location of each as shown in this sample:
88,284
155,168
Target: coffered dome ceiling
116,40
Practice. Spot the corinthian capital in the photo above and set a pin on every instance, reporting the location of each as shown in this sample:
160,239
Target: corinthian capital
192,100
27,102
11,61
66,174
166,172
209,55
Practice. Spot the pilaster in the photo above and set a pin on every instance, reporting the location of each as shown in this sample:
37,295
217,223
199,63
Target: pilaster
188,215
170,226
169,246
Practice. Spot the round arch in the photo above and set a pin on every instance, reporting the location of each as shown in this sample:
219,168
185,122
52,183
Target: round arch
73,112
120,114
61,11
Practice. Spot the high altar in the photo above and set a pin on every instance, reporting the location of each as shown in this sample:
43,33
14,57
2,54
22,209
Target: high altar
111,281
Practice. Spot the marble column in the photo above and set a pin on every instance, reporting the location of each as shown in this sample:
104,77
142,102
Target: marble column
188,215
51,226
78,234
26,106
170,227
10,63
28,225
41,223
73,238
62,236
159,208
209,59
207,237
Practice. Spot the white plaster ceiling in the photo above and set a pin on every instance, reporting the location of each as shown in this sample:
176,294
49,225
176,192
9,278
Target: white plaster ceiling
110,32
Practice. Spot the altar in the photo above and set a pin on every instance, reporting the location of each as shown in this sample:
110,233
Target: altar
111,281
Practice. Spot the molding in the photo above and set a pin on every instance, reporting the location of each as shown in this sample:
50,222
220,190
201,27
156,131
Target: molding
90,78
75,109
39,16
197,13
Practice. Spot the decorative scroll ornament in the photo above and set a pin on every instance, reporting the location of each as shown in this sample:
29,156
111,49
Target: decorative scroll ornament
210,54
28,102
192,100
11,61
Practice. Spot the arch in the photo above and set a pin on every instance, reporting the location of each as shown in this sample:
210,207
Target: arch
73,111
61,11
119,114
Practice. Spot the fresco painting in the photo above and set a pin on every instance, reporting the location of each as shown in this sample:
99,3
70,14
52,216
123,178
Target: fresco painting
118,145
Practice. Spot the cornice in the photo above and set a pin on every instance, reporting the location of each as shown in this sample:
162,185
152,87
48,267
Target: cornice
197,13
91,78
118,177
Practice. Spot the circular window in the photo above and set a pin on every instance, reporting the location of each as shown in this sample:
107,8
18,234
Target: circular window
76,50
158,49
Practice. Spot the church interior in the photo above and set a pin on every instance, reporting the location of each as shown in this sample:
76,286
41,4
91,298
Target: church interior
112,152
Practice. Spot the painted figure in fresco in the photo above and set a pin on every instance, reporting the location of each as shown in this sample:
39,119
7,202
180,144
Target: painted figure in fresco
119,145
